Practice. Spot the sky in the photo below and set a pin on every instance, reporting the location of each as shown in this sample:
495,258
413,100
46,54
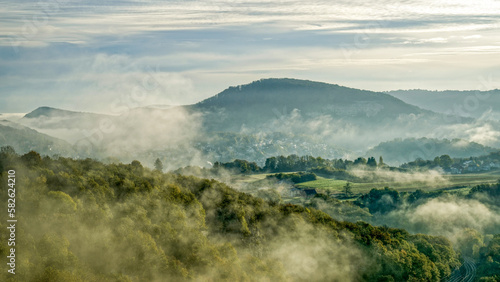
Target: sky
107,56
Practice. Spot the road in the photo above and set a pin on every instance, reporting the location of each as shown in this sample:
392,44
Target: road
466,273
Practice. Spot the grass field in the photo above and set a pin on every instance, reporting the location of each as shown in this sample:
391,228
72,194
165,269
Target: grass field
451,182
461,182
242,178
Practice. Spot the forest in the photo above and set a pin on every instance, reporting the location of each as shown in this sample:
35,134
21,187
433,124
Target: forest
466,215
294,141
83,220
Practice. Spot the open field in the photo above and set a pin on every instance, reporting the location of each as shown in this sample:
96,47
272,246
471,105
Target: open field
451,182
250,177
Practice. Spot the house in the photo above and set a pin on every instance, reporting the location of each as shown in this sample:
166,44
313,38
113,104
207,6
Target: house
466,163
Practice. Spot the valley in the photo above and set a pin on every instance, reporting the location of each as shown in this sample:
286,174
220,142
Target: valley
337,159
252,141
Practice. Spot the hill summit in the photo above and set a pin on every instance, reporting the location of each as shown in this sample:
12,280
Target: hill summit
300,94
54,112
252,104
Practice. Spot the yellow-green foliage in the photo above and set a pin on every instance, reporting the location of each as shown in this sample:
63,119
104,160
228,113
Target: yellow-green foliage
86,221
489,260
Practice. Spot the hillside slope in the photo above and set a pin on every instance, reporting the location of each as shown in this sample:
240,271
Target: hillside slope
400,151
254,121
70,126
459,103
24,139
86,221
259,102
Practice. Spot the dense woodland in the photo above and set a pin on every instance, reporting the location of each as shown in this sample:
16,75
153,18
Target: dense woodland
380,206
82,220
406,150
296,177
446,162
339,168
385,206
295,163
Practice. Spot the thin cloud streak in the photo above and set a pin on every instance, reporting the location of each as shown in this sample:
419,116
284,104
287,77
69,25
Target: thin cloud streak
52,49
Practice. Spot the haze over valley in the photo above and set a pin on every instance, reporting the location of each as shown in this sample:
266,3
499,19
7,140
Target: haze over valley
269,117
250,141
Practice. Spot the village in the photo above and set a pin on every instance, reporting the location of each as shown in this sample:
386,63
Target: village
471,166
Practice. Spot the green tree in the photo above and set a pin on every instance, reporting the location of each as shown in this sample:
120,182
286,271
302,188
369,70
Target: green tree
437,161
270,195
469,242
159,226
7,150
360,161
446,161
271,164
7,153
347,189
32,159
158,165
381,161
371,162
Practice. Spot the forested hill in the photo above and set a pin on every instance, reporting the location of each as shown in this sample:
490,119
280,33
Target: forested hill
284,116
63,124
53,112
399,151
472,103
304,95
24,139
267,99
82,220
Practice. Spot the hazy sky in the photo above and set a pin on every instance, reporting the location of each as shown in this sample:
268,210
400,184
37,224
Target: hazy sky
109,55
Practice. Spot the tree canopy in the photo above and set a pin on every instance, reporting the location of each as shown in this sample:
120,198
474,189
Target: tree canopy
82,220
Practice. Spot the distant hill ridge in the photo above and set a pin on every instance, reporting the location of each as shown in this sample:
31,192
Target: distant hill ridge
470,103
277,93
297,92
399,150
329,117
263,100
54,112
24,139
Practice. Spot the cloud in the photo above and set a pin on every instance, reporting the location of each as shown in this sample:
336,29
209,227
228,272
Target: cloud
485,132
52,21
448,216
63,51
430,178
98,83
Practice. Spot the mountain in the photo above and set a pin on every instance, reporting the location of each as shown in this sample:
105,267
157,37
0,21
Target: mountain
327,114
24,139
53,112
459,103
400,151
67,125
253,121
261,101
